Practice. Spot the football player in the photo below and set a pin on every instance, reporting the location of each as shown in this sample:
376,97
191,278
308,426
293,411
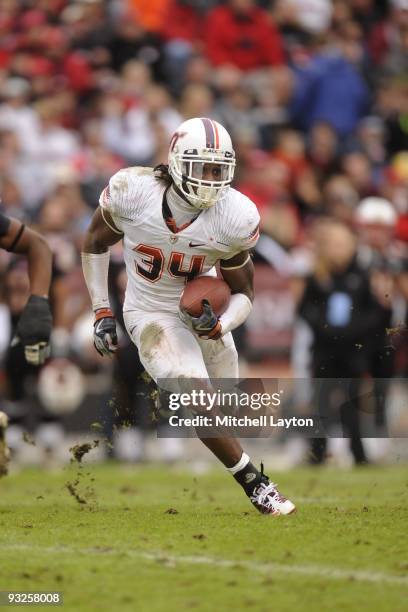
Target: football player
176,222
34,325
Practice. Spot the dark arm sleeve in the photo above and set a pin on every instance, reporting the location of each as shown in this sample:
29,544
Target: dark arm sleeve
4,225
311,307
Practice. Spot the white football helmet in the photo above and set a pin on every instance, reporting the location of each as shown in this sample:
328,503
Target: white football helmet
201,150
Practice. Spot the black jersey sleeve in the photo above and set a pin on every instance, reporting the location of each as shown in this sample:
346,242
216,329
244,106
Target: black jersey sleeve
4,225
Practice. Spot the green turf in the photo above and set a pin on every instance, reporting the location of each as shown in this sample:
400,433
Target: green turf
97,553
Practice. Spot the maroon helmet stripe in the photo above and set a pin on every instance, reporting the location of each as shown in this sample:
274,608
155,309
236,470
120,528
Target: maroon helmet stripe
209,132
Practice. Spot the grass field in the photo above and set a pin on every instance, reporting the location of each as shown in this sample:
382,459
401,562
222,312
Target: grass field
150,539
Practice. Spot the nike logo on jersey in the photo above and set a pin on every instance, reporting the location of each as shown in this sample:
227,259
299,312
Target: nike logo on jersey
196,244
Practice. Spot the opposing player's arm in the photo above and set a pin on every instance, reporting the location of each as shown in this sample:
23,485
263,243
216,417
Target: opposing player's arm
22,240
34,325
102,233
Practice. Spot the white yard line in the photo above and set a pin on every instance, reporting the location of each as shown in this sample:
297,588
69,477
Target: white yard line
163,557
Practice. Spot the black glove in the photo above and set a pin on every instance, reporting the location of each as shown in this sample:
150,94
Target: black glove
207,325
34,330
105,336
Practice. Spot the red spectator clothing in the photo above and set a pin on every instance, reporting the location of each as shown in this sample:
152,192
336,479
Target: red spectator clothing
379,41
247,41
77,70
5,57
262,196
296,166
402,228
182,22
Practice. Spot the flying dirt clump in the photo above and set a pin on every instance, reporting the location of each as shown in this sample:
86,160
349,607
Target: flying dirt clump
72,488
80,450
87,496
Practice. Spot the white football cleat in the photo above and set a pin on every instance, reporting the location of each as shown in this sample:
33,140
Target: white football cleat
267,499
4,451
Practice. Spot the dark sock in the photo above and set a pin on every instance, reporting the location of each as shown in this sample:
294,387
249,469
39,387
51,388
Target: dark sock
317,450
249,477
357,448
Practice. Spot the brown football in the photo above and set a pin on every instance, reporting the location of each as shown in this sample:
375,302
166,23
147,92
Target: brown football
210,288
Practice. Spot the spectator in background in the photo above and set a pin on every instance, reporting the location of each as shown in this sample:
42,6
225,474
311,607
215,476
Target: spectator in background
135,134
196,101
41,142
328,88
198,70
388,39
267,185
95,163
357,168
243,35
366,12
133,124
89,24
135,77
151,14
371,139
380,255
272,91
303,179
50,145
181,32
323,149
301,18
344,316
391,104
376,221
340,198
130,41
16,115
399,337
235,108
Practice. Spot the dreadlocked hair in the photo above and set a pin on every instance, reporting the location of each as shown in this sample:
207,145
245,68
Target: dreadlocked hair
162,172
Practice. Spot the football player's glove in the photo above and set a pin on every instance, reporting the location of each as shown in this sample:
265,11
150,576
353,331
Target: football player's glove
207,325
34,330
105,336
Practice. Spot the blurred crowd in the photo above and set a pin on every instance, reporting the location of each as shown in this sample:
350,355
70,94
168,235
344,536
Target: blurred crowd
315,96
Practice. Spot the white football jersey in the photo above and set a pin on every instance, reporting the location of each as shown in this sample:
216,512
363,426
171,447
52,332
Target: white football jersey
158,261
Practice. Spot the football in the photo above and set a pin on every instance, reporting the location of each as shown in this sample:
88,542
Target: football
210,288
